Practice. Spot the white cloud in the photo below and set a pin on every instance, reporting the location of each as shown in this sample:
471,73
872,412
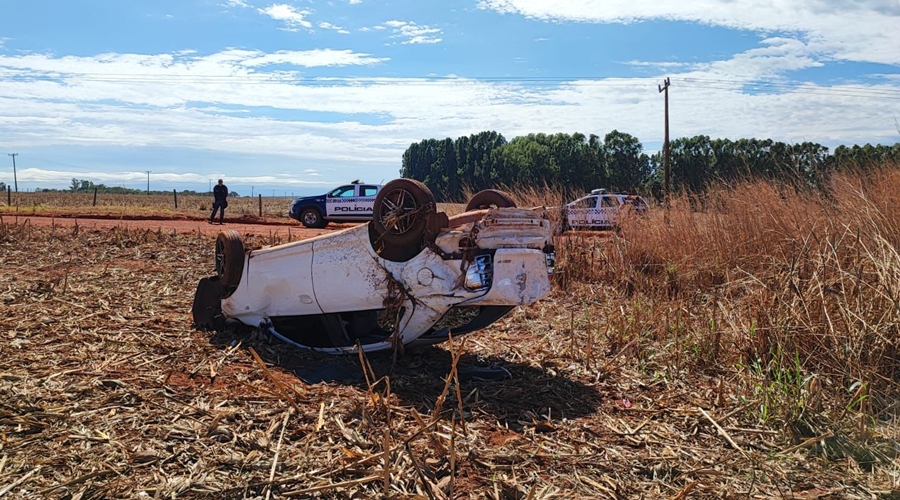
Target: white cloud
45,176
314,58
182,65
863,30
235,3
412,32
201,103
355,2
292,18
328,26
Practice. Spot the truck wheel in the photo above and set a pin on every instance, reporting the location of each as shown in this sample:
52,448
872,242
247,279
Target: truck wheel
229,258
399,215
490,198
312,218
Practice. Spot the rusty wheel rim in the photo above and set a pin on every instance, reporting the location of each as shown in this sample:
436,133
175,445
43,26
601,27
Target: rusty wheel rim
398,211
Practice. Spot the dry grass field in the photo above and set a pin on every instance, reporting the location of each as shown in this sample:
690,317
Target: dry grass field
745,348
42,203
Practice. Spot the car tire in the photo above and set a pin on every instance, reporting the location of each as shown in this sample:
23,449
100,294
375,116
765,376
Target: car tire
229,258
490,198
312,218
399,216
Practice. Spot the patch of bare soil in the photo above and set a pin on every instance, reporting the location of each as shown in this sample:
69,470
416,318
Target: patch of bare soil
106,391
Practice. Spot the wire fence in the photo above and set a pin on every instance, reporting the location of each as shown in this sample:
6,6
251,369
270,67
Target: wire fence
141,204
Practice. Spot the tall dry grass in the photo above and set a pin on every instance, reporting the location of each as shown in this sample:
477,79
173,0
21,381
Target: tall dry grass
792,296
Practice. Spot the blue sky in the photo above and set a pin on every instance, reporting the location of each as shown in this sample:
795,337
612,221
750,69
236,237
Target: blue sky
299,96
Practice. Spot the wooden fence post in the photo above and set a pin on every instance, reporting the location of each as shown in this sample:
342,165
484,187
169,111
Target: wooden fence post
260,205
176,199
95,198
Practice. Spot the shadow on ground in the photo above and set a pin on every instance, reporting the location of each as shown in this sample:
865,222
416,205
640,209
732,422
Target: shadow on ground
493,385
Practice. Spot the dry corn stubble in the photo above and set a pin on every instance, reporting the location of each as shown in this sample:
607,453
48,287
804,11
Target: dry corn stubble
106,391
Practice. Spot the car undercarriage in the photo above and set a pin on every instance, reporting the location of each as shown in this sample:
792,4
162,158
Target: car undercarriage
412,276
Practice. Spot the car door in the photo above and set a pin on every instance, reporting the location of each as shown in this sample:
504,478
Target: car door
606,213
365,203
345,275
578,212
341,203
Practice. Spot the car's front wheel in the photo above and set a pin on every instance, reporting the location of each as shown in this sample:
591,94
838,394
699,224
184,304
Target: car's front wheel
399,217
312,218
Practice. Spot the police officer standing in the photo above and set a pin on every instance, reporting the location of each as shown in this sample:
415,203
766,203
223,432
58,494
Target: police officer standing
220,202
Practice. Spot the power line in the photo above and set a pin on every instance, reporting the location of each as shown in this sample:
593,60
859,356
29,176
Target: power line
806,87
855,90
252,79
43,160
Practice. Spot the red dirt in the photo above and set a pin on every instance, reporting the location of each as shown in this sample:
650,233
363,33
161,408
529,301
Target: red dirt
243,225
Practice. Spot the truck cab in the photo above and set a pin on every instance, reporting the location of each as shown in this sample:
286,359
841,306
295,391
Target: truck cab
349,203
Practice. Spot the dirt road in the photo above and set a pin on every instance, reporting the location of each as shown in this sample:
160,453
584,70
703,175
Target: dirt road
271,228
245,226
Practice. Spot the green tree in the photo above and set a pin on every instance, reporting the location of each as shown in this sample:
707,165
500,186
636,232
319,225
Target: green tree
627,166
693,162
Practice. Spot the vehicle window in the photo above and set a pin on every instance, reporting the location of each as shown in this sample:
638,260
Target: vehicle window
368,190
343,192
589,202
609,202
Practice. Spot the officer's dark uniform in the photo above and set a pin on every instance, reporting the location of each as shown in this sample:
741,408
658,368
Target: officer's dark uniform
220,195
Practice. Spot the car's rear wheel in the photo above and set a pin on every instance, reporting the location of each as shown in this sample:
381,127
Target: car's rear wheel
312,218
490,198
229,258
399,217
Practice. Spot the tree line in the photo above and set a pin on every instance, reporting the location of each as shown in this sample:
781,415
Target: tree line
618,162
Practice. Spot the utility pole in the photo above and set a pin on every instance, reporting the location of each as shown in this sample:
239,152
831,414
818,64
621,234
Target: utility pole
148,181
210,185
665,88
15,181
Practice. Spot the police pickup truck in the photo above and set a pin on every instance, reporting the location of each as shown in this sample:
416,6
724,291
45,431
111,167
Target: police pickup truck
601,210
350,203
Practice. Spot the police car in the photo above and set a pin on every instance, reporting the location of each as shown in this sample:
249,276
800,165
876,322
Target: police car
350,203
601,209
412,276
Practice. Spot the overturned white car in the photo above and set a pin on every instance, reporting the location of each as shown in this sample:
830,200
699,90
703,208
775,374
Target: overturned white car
411,275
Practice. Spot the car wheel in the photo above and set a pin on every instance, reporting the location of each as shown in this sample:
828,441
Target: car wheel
312,218
490,198
399,215
229,258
